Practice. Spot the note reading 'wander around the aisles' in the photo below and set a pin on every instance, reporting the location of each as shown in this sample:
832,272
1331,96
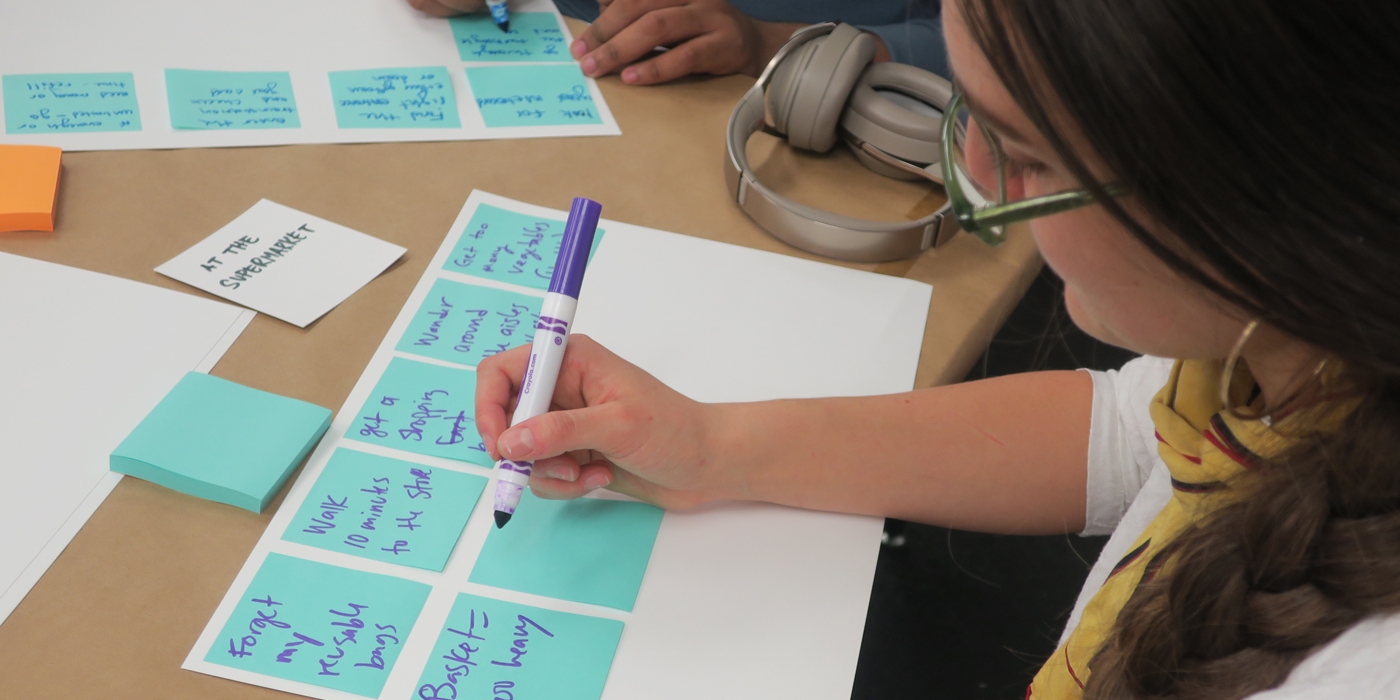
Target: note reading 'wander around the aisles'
466,324
320,624
533,36
394,98
532,95
57,103
589,550
423,408
493,649
212,99
508,246
386,509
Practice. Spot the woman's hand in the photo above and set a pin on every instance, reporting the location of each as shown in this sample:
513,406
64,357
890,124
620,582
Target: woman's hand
704,36
612,426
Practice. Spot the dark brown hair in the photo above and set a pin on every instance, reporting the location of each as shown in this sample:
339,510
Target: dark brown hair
1261,139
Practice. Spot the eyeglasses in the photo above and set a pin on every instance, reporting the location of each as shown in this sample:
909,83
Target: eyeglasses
974,176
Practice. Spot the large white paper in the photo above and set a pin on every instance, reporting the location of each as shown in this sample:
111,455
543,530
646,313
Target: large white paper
307,38
285,263
740,600
83,358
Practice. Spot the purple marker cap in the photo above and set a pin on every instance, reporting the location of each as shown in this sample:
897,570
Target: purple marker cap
574,250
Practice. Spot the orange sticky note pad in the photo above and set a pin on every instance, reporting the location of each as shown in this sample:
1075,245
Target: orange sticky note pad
28,187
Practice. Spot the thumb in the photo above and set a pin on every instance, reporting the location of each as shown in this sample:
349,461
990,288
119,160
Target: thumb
600,428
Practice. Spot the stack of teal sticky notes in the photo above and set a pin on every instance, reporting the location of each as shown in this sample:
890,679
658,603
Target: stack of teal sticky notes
222,441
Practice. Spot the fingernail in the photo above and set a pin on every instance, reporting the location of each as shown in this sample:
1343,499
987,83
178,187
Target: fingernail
515,444
596,481
629,76
588,66
578,48
560,473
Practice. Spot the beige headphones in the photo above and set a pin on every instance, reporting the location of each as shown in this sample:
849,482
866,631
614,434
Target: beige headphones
820,85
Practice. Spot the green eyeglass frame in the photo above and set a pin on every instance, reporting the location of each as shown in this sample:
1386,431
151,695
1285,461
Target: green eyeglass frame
988,221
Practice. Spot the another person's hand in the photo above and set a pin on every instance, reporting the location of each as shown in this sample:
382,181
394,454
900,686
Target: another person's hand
613,425
704,36
447,8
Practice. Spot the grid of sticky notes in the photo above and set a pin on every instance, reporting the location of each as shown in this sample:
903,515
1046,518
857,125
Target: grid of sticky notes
518,78
387,515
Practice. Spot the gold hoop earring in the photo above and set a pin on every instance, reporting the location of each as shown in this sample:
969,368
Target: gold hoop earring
1227,373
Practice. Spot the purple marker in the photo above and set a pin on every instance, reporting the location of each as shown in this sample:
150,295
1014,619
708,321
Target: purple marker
551,339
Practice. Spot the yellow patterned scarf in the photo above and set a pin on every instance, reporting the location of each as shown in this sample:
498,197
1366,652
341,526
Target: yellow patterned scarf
1205,450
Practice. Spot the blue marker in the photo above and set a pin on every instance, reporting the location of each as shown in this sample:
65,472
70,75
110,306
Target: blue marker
500,14
547,352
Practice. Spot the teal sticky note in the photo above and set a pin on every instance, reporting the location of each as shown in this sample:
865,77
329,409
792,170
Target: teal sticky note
533,36
221,441
466,324
537,95
386,509
396,98
493,649
423,408
588,550
213,99
510,247
320,624
58,103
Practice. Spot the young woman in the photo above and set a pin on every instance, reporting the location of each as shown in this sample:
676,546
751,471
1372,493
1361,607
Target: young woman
1216,181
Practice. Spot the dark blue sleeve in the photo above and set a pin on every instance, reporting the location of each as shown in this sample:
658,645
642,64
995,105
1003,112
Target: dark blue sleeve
917,42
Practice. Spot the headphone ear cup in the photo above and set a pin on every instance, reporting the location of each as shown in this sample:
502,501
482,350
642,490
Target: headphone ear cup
910,132
782,88
814,92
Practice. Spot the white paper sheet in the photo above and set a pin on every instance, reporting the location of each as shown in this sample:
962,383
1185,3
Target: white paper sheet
83,358
740,600
307,38
285,263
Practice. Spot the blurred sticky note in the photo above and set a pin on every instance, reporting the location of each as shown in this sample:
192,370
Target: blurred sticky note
510,247
56,103
490,648
320,624
283,262
533,36
423,408
386,509
466,324
397,98
532,95
213,99
221,441
28,187
589,550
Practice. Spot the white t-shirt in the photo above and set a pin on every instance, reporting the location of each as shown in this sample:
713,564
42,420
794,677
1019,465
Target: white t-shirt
1129,484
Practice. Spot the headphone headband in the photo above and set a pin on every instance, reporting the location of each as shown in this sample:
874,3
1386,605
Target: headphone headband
811,229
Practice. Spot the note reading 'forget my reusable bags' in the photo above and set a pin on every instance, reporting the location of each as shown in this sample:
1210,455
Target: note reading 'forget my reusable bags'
386,509
590,550
423,408
394,98
466,324
532,95
52,103
493,649
533,36
510,247
320,624
215,99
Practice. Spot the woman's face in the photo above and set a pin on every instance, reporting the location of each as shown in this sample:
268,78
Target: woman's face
1115,289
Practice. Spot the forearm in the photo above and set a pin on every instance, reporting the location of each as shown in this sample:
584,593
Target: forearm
1000,455
775,34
